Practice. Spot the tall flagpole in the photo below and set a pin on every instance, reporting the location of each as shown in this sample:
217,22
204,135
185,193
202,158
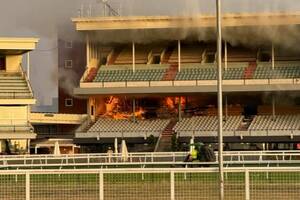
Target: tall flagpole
220,98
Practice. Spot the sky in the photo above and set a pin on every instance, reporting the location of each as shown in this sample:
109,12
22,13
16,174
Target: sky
43,19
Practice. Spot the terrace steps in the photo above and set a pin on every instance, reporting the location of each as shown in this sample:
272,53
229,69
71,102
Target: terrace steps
165,141
249,71
171,73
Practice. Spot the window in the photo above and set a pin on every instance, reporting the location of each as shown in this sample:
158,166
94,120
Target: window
2,63
68,44
68,63
68,102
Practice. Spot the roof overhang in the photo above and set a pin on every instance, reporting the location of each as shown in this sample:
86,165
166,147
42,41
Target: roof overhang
172,22
17,46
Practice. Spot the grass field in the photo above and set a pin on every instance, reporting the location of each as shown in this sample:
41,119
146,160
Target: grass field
265,186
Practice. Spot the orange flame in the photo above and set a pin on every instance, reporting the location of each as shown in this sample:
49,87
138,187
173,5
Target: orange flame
113,110
172,103
169,103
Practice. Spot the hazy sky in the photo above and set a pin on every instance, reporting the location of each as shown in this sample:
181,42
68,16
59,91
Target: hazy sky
42,18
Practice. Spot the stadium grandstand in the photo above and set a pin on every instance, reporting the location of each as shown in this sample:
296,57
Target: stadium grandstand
16,96
165,88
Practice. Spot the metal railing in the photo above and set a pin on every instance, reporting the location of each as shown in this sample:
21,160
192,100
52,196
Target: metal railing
163,159
169,183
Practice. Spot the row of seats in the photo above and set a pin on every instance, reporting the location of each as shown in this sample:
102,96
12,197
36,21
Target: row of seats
13,85
124,125
207,123
279,122
209,73
106,127
129,75
263,72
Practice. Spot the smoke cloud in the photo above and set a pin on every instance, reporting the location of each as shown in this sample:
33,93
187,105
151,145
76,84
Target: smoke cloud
50,19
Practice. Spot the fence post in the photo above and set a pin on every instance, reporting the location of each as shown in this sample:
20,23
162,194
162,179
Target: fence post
27,186
172,185
247,185
101,186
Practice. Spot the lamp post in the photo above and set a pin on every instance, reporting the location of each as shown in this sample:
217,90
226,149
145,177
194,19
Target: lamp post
220,98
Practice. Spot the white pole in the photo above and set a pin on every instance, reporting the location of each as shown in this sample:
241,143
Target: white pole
28,65
247,185
220,100
273,57
225,56
27,186
179,55
172,183
133,56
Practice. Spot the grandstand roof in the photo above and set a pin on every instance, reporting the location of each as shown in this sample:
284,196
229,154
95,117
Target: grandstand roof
169,22
16,46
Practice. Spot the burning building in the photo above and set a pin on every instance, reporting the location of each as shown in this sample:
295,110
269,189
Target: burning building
156,76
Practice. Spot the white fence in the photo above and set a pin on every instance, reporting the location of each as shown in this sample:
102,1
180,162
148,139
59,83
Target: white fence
266,158
108,184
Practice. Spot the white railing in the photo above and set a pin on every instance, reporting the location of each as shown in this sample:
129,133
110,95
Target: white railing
265,158
148,184
24,75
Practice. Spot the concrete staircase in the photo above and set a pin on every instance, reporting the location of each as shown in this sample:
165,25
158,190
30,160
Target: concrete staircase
116,52
92,73
164,143
171,73
13,85
168,54
249,71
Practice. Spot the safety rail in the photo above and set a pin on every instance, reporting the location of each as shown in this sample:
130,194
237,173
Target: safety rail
266,158
156,183
24,76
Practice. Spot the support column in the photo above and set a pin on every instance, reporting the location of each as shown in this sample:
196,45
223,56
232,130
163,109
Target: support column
87,51
273,106
225,56
179,109
28,66
133,109
92,109
226,108
273,57
133,56
28,146
179,55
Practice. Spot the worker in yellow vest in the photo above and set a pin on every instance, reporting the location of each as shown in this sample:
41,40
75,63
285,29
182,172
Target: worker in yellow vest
194,154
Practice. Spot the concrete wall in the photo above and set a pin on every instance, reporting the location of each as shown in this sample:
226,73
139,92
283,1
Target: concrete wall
13,115
13,63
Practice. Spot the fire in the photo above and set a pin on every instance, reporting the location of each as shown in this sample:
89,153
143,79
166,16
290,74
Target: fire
139,113
113,109
172,103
